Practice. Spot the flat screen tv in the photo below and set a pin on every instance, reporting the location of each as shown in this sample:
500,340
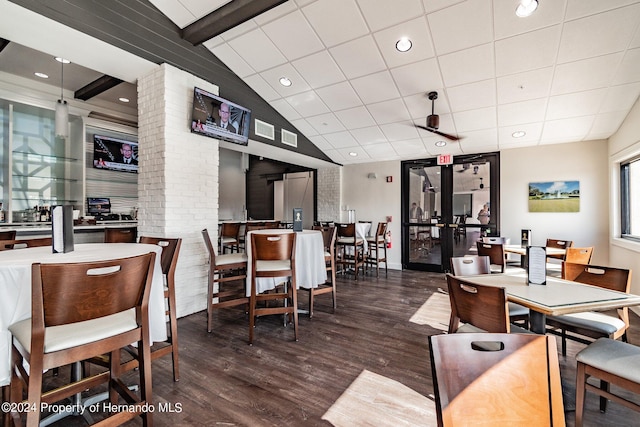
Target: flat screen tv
219,118
115,154
98,205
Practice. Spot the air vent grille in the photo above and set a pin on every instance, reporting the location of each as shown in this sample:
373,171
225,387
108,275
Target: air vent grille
289,138
265,130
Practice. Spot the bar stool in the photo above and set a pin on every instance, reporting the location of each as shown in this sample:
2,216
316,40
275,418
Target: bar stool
377,244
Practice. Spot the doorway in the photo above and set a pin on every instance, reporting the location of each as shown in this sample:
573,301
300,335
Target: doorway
447,208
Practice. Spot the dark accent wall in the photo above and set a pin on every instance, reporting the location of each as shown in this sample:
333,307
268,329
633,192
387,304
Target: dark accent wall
138,27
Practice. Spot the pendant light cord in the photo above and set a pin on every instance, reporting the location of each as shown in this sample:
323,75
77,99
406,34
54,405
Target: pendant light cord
62,81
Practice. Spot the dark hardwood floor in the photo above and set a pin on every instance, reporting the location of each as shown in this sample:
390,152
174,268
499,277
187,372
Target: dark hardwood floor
279,382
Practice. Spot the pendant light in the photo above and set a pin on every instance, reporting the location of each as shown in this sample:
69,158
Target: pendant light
62,108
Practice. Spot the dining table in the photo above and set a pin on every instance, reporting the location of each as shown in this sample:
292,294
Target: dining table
15,286
556,297
522,251
309,258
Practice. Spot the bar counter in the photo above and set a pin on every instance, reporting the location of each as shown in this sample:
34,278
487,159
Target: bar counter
82,233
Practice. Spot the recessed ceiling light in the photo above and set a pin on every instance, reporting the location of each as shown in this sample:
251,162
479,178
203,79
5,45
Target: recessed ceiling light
284,81
353,154
42,75
122,99
404,44
526,8
441,143
518,134
64,61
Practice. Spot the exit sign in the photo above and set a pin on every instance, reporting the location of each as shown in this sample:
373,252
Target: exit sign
445,159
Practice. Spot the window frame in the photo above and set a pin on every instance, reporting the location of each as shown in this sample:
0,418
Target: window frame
626,199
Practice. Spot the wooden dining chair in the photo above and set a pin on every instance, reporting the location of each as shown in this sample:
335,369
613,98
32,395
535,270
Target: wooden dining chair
377,249
472,265
227,280
573,256
613,362
479,308
7,235
229,237
496,379
587,327
273,255
495,252
168,261
329,242
81,310
350,248
120,234
560,244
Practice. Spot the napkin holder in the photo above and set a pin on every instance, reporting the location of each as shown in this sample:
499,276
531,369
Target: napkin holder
62,229
297,219
536,265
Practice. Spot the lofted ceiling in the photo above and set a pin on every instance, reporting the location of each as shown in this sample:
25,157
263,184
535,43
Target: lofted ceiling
570,72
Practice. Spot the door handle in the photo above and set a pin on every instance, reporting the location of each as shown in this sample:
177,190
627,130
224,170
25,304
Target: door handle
453,225
440,225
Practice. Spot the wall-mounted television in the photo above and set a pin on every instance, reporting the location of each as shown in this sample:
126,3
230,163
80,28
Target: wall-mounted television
98,205
115,154
219,118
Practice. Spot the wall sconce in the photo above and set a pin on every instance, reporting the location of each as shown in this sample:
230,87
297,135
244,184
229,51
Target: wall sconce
372,175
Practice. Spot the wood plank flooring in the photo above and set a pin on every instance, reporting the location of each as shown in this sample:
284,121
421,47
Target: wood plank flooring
365,364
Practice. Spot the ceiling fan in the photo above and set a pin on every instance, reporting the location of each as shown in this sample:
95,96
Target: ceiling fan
433,120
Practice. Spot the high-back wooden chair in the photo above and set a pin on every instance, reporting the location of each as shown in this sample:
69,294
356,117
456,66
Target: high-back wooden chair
226,283
377,249
120,234
579,255
229,237
472,265
273,255
560,244
495,239
350,248
25,243
329,241
7,235
496,379
495,252
81,310
586,327
168,261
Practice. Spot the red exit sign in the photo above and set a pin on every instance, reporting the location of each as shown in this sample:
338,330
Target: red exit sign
445,159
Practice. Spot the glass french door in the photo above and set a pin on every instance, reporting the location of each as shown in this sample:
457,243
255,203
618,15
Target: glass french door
446,209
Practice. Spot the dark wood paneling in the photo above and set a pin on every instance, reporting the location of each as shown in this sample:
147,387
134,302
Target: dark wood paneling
138,27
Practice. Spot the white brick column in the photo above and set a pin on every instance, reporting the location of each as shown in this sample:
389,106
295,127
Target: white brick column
329,193
178,177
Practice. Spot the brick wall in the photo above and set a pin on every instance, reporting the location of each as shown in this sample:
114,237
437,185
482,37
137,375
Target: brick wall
329,193
178,177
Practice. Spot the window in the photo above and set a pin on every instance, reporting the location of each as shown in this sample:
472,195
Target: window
630,198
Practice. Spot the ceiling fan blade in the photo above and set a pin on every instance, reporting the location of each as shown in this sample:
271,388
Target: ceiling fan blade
451,137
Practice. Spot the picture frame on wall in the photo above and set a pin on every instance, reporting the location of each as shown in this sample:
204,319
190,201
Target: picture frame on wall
554,196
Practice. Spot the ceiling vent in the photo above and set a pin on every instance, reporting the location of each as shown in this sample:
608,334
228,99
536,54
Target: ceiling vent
289,138
113,119
265,130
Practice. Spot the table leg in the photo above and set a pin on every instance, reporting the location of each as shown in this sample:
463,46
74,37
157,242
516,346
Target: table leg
537,322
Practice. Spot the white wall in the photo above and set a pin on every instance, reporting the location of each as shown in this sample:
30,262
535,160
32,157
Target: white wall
623,145
579,161
374,199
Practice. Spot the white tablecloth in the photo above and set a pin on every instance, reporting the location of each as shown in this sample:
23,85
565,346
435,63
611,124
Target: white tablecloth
15,286
362,230
310,266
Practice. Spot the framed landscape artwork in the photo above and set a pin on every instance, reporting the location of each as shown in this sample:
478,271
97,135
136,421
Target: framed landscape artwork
555,196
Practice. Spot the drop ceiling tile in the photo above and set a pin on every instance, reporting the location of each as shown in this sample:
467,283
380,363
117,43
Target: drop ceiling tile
575,104
381,152
360,156
582,8
231,59
339,96
598,35
522,112
479,141
533,132
620,98
479,119
565,130
628,70
400,131
382,14
336,21
319,69
264,89
389,111
470,20
239,30
304,127
257,50
354,118
273,75
367,61
320,142
417,31
468,66
335,155
307,104
471,96
375,87
606,124
524,86
282,31
584,75
434,5
284,108
201,8
420,77
507,23
341,139
214,42
370,135
181,13
275,13
325,123
410,147
529,51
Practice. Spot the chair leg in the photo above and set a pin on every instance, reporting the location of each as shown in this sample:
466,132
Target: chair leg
564,342
580,393
252,312
333,285
294,299
173,339
310,303
604,385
